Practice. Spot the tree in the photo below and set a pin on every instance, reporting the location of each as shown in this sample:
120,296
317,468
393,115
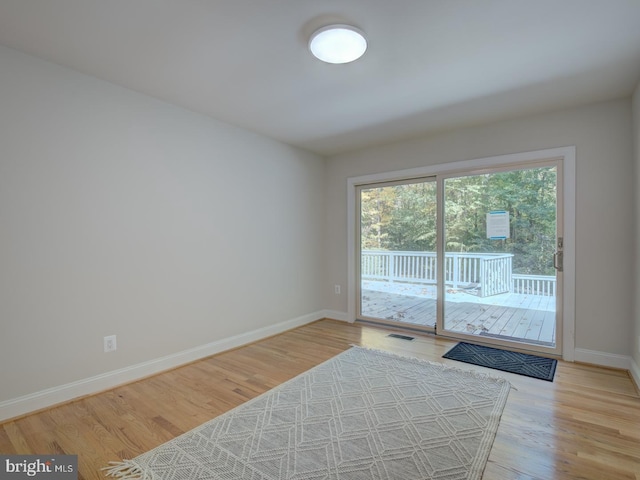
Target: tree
403,217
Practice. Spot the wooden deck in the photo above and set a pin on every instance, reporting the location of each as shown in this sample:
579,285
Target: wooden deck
529,318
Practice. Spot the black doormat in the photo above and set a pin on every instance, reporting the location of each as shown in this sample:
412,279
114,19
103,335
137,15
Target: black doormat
513,362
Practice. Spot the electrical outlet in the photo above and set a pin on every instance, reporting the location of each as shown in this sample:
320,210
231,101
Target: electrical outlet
110,344
337,289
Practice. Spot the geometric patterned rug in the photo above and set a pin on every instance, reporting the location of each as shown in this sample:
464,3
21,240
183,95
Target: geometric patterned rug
514,362
362,415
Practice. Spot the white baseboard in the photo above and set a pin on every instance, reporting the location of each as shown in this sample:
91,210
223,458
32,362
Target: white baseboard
336,315
46,398
604,359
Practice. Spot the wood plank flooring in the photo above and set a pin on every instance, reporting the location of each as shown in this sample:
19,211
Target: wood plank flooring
584,425
527,317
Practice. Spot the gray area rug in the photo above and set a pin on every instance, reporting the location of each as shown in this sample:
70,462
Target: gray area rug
362,415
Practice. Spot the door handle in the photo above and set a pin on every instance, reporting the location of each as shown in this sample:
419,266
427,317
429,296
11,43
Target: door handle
558,258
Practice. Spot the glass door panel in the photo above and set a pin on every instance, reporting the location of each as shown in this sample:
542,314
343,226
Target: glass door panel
500,236
397,276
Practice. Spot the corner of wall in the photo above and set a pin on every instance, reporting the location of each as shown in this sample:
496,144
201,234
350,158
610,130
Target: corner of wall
635,373
635,353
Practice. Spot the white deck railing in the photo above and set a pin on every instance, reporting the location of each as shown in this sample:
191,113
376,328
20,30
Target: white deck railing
534,284
488,273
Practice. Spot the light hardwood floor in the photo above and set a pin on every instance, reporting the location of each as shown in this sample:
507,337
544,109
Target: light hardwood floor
584,425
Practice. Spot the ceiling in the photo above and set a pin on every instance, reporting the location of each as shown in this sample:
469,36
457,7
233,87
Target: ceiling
431,65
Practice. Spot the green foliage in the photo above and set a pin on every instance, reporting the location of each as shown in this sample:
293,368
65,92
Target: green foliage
403,217
400,217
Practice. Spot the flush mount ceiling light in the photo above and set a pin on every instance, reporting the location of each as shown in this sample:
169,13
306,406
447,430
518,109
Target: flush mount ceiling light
338,44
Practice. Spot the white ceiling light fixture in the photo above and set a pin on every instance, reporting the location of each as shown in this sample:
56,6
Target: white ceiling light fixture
338,44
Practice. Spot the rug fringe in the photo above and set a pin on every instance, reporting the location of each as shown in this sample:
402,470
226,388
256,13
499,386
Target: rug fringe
126,470
443,366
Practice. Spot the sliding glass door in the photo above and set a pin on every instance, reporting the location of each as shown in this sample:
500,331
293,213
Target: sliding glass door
472,254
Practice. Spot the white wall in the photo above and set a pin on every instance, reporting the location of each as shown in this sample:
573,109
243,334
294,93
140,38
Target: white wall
121,214
604,250
636,158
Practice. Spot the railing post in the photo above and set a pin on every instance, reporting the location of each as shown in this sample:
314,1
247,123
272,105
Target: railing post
392,266
456,266
483,278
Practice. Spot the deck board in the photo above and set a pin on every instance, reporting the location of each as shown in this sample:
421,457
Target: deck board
528,317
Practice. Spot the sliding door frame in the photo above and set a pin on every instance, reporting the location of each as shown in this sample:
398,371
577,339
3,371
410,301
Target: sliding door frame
566,155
